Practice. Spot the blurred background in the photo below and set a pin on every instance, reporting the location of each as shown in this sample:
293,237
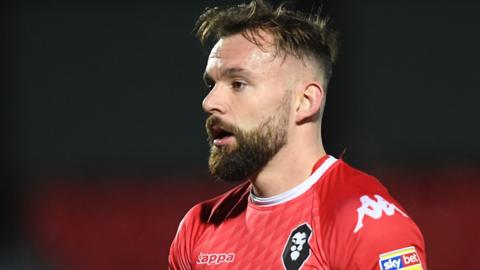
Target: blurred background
103,148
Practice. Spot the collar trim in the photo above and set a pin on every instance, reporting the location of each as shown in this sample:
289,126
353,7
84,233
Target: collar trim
297,190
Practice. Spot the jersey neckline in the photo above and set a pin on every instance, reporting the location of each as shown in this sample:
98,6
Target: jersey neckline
318,170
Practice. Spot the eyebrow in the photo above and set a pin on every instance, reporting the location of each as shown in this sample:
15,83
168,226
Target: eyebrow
229,73
232,72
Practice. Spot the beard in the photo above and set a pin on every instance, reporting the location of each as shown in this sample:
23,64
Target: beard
253,148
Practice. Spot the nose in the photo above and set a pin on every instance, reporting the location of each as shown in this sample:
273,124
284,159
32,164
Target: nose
214,102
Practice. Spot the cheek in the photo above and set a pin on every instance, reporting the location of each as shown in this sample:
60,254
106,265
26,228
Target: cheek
248,121
248,113
253,118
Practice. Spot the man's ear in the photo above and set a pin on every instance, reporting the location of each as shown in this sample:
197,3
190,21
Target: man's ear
310,102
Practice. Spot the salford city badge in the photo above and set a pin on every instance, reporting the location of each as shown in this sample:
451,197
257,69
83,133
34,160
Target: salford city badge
297,248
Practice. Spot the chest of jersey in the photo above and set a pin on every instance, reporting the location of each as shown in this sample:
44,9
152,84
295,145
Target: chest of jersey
274,237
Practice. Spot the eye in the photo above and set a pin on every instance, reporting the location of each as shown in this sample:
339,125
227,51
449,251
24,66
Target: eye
209,82
238,85
209,86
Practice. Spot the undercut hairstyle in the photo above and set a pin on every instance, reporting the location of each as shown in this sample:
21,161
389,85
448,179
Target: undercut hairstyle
304,36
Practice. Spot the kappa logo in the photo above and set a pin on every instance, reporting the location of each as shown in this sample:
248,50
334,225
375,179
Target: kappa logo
215,258
297,249
405,258
374,209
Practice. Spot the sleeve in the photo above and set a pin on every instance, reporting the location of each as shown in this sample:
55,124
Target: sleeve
372,231
179,257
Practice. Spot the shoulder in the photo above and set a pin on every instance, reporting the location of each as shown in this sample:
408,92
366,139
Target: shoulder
200,217
363,220
219,208
343,186
356,200
350,179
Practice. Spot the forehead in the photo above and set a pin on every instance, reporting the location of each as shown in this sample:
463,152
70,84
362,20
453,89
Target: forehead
236,51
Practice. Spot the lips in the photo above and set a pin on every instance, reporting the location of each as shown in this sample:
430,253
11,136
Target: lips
219,132
220,135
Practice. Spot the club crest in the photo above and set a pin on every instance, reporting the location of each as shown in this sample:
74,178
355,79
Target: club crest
297,248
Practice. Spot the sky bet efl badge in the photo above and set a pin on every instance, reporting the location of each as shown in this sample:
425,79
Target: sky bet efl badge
405,258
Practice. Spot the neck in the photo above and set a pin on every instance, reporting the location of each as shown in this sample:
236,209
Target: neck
288,168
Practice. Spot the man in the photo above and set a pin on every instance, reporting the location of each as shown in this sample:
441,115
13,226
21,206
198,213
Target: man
299,208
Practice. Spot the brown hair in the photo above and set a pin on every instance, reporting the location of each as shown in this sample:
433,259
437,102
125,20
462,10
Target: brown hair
295,33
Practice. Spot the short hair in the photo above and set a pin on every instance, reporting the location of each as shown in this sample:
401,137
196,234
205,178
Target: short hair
295,33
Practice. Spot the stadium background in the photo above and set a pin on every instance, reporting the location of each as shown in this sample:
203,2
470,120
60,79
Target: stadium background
103,147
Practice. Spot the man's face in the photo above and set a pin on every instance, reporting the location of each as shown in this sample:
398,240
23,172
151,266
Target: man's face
249,105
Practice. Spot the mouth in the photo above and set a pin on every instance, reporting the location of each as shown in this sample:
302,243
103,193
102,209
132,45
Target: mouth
221,136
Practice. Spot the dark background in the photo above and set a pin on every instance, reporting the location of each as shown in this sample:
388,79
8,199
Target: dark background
103,147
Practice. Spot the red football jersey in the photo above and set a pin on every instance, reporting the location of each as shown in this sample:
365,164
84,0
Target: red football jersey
338,218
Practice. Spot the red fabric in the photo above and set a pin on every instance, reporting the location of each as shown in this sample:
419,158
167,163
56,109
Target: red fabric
258,237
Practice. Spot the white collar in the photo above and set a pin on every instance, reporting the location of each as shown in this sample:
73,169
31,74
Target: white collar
297,190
